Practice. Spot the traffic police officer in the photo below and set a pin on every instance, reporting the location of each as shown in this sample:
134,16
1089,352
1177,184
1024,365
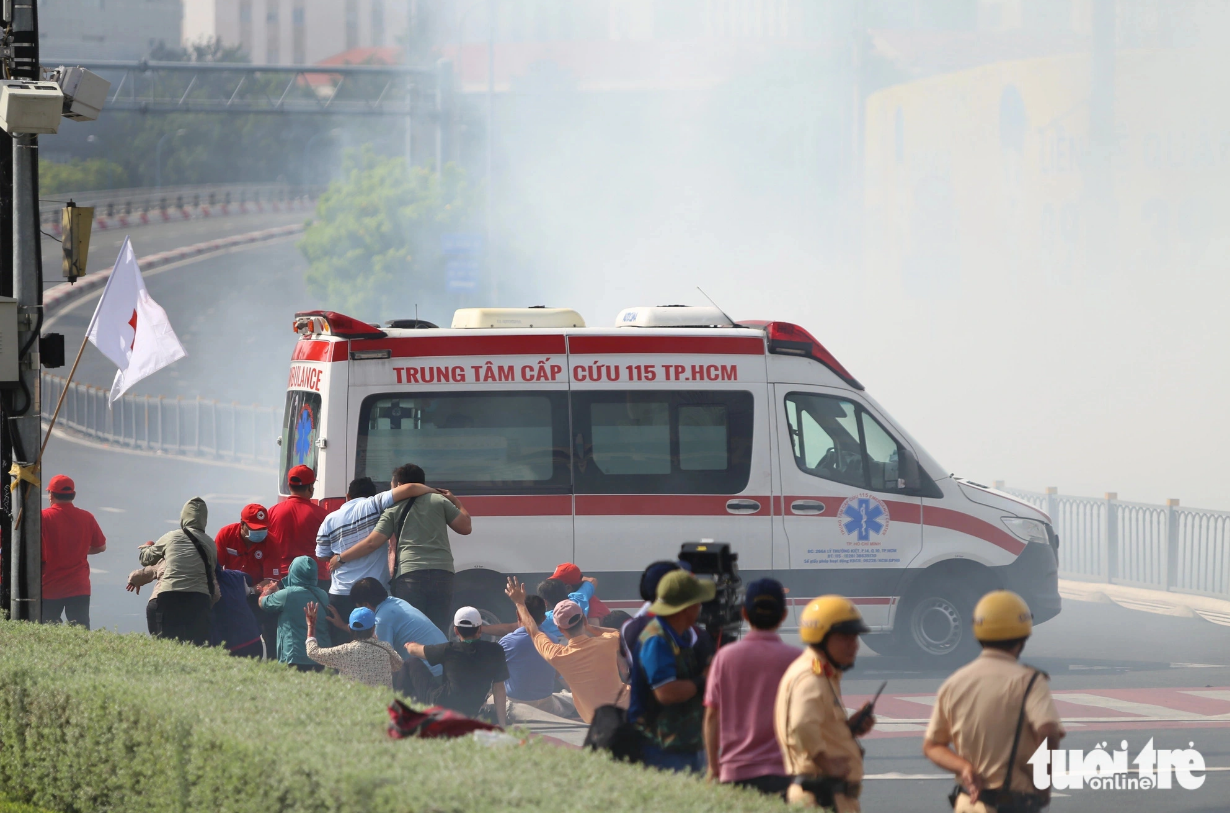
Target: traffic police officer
816,737
982,706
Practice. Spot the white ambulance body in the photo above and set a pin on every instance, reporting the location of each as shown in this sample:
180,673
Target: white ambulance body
609,447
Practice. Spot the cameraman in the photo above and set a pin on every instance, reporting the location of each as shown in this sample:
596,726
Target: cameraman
668,683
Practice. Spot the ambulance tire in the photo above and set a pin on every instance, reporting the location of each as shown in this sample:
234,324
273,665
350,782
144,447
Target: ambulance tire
493,606
935,625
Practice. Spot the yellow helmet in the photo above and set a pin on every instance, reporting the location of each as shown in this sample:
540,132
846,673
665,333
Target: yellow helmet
829,614
1002,615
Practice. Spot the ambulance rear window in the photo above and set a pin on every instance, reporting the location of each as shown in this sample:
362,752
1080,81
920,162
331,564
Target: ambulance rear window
473,443
300,428
664,442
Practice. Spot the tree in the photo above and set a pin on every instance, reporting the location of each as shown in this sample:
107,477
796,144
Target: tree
374,249
80,176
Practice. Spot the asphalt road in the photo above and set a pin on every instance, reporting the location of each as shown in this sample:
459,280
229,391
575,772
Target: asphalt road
1104,661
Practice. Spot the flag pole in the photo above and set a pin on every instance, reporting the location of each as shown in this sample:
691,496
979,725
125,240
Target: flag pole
60,400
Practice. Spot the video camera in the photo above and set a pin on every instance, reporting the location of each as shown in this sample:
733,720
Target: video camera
722,617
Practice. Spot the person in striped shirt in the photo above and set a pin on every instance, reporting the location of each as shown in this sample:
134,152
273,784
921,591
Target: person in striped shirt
351,524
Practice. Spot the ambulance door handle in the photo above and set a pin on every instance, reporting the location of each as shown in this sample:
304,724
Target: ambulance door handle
807,507
742,506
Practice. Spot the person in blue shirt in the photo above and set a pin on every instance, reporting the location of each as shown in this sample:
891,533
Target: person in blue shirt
397,622
531,680
553,591
668,683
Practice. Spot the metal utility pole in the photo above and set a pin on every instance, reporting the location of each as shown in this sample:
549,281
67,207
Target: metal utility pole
6,401
25,421
410,26
488,248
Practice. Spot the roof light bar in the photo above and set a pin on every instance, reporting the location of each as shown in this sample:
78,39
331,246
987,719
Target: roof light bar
787,339
313,323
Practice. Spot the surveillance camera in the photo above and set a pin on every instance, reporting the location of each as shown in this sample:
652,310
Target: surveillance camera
30,107
84,92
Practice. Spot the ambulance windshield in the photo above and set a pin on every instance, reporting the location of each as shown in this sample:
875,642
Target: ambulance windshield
509,443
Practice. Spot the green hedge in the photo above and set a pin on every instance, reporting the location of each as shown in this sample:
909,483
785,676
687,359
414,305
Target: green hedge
94,721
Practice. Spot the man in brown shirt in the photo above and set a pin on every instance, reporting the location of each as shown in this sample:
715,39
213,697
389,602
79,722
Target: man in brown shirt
976,711
816,737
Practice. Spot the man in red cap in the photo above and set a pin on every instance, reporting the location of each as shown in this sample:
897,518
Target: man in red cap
571,575
293,524
242,545
69,536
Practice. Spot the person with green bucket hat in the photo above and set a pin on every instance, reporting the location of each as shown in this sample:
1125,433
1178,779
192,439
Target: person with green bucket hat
668,683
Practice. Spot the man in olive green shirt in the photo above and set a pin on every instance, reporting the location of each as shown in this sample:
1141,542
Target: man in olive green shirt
420,556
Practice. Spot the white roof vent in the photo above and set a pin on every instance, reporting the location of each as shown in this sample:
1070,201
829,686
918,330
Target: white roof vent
672,316
516,318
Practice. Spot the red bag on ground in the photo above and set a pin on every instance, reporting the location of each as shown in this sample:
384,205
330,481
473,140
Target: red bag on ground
436,721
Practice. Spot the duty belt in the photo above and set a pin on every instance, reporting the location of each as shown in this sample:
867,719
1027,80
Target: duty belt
1006,801
824,788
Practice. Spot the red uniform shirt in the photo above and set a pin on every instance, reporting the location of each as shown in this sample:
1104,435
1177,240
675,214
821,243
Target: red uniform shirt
69,534
293,524
237,553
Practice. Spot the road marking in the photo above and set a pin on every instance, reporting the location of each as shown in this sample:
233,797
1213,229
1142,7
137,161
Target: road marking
96,570
114,510
1142,711
1197,666
1214,694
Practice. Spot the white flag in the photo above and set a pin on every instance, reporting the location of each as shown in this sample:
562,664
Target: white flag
130,328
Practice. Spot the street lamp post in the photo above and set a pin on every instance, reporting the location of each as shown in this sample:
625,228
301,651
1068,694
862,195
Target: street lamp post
158,156
308,146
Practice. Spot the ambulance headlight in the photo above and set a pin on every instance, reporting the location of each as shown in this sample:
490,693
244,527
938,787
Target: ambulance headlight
1031,530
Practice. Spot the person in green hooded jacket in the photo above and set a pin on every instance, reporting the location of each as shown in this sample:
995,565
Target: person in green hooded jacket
298,590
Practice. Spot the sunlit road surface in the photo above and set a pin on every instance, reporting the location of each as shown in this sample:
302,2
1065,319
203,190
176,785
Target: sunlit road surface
1116,674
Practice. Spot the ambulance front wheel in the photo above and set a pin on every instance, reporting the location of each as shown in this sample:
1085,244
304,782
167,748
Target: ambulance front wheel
936,625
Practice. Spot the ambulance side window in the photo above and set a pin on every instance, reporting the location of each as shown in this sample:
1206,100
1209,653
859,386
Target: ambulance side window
837,440
300,428
472,443
662,442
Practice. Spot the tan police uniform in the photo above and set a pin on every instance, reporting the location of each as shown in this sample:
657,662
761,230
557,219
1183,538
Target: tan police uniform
976,712
810,718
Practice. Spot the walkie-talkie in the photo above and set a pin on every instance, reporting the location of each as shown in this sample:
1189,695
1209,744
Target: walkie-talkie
860,717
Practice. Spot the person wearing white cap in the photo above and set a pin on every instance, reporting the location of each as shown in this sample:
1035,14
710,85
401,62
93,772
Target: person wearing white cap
473,668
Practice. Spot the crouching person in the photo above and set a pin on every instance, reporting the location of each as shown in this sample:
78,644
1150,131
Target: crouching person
364,659
473,668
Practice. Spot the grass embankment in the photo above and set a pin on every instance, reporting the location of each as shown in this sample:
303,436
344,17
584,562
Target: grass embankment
95,721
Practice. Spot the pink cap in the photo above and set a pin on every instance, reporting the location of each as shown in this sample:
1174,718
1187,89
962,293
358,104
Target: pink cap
566,614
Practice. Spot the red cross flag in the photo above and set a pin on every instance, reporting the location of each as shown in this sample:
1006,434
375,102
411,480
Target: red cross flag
130,328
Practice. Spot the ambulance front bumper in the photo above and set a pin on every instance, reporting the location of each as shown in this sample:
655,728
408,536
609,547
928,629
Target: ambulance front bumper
1034,576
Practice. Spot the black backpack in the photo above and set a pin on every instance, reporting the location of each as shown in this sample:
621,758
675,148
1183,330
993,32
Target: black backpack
611,731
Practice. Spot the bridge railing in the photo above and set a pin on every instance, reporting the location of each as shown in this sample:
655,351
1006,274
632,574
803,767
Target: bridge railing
109,203
189,427
1160,547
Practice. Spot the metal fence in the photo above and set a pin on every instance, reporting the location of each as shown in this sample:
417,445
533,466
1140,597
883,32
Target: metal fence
117,202
1161,547
175,426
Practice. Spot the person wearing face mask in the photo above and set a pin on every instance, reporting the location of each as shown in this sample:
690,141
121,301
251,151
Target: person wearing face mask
245,546
242,545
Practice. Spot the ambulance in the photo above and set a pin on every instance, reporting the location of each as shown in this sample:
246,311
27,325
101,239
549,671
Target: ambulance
609,447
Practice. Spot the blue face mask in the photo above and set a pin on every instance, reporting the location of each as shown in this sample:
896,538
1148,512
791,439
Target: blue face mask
257,536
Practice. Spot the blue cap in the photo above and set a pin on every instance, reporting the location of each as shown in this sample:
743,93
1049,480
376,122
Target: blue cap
765,598
362,619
